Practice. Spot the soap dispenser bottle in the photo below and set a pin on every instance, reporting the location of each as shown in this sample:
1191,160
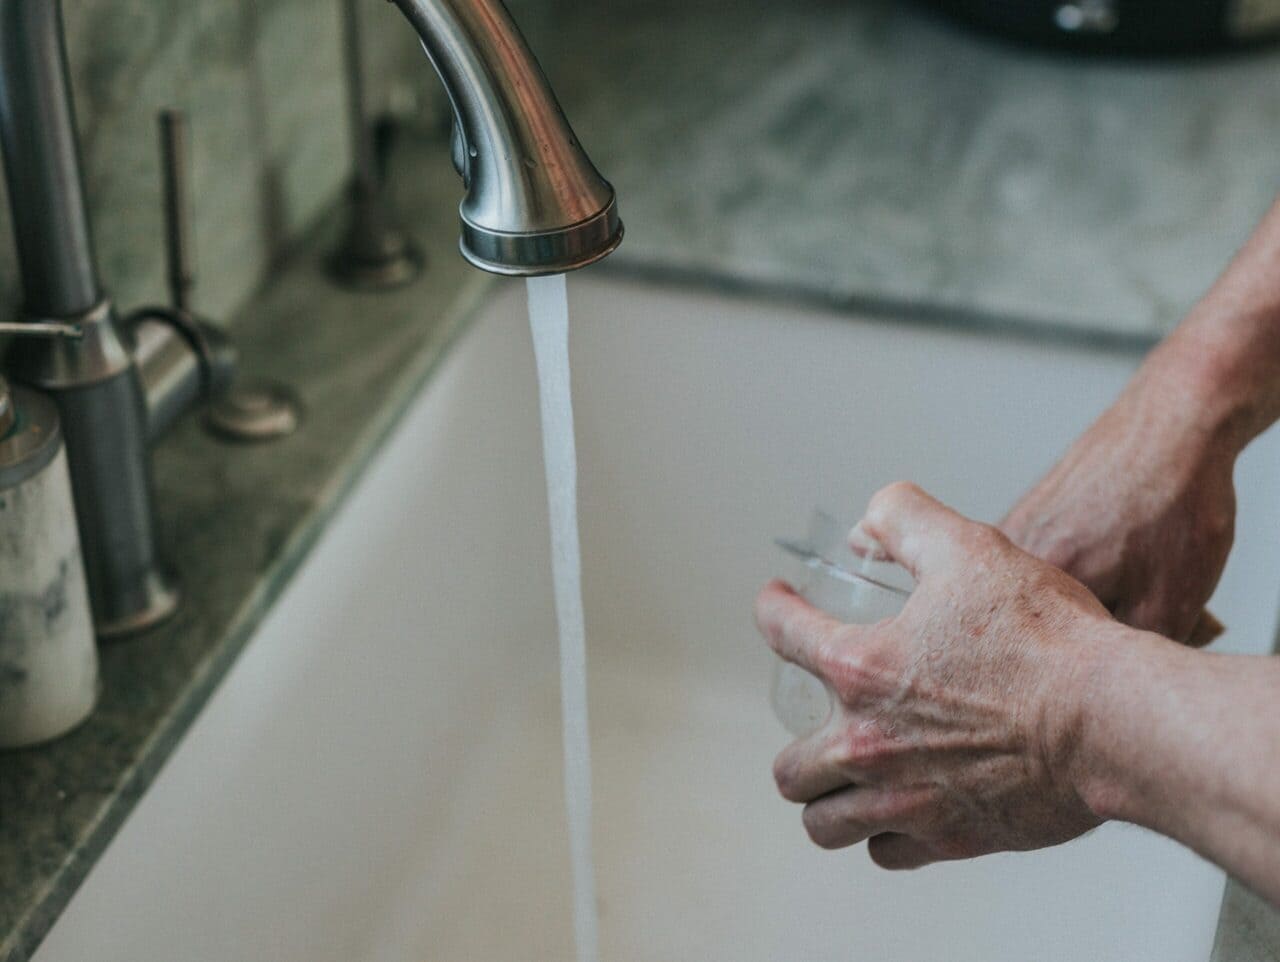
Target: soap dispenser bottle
48,659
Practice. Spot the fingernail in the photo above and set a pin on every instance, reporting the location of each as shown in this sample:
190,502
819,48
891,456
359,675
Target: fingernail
865,546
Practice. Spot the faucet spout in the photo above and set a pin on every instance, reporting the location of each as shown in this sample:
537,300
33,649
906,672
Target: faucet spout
535,204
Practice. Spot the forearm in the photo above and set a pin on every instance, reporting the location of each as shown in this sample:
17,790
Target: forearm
1188,744
1219,371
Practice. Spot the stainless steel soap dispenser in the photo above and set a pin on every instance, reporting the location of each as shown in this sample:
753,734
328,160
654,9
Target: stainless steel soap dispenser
48,659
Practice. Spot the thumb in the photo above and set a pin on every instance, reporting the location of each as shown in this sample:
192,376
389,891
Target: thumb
916,530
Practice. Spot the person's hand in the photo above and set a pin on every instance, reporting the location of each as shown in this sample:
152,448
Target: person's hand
956,723
1141,510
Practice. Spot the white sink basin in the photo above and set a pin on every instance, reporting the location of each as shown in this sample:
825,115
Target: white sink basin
379,776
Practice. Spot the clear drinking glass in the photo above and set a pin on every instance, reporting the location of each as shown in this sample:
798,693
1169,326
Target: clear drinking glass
857,591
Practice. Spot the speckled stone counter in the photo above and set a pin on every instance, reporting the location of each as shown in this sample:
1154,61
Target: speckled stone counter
237,520
861,151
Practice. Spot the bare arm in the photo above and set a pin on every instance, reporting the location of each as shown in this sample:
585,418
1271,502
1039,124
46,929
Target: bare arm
1141,509
1231,340
1188,744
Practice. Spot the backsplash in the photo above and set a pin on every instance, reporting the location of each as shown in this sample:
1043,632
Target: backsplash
262,84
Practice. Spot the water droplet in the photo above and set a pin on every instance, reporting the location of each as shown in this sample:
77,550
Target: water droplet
472,151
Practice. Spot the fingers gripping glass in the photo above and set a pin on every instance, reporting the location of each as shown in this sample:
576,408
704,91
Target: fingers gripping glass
857,591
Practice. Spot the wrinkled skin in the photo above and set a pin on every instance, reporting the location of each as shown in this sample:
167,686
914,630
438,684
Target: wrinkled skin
1141,510
1005,708
957,722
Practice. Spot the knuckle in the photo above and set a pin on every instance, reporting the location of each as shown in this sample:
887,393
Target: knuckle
983,539
856,672
850,750
785,778
842,668
847,668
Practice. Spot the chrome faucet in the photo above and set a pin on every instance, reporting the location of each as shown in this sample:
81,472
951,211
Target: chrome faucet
534,204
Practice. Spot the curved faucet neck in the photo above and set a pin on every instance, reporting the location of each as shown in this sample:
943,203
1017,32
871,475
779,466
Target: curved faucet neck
535,204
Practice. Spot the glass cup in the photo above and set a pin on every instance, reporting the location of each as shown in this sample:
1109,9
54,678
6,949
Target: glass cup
857,591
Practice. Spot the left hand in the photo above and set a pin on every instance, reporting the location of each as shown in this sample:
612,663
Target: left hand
1141,509
957,724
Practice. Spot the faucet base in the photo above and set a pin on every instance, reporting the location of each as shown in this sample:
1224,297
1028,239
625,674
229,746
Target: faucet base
400,263
103,410
253,410
375,252
157,599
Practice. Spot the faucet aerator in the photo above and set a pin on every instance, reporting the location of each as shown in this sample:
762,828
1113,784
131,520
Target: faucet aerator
536,253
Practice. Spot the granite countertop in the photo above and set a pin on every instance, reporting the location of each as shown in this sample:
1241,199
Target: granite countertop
862,152
857,153
237,520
